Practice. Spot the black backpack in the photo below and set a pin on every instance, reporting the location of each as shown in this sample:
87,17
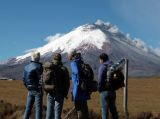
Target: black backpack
87,81
116,80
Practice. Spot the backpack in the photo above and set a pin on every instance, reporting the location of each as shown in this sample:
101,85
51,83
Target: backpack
87,81
49,76
56,78
116,80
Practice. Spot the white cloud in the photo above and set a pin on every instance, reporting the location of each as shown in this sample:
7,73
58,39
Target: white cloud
142,45
128,36
53,37
157,51
101,22
48,39
113,29
30,50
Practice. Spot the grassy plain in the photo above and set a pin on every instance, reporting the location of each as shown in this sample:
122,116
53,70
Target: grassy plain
143,96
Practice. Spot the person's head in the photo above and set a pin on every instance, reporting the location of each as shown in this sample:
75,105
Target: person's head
103,58
35,56
72,54
57,57
78,55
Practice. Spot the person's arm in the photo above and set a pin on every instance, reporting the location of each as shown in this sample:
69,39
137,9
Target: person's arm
75,71
24,78
66,82
39,72
101,77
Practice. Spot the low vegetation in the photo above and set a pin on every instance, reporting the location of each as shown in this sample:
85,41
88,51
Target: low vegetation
143,100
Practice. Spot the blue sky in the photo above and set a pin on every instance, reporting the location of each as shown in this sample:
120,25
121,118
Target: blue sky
24,24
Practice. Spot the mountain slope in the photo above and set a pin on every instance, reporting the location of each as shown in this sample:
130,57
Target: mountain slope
91,40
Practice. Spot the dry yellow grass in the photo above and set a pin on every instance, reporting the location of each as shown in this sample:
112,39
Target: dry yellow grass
143,96
13,92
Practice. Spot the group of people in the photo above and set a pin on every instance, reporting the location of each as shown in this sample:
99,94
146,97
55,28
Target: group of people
37,77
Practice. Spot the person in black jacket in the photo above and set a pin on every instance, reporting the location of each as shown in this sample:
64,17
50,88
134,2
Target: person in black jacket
60,83
33,82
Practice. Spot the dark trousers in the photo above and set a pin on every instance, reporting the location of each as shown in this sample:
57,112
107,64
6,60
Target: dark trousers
82,109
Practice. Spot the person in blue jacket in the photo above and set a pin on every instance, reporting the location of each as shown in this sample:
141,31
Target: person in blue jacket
107,94
79,96
33,82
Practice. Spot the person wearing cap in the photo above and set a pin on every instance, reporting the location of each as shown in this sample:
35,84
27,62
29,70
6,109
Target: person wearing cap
33,82
107,94
61,82
79,97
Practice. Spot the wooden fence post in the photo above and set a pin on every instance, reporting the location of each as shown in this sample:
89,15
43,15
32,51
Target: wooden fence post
126,90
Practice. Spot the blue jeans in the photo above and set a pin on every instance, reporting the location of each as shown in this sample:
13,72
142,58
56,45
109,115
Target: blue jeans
108,99
37,97
54,106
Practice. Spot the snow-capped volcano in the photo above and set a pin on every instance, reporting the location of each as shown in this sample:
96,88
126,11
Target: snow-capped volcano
87,34
93,39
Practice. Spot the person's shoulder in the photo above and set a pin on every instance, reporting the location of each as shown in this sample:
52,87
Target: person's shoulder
102,66
28,65
108,63
47,64
73,62
37,65
64,67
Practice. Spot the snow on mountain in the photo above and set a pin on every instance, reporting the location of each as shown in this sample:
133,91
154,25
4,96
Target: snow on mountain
95,34
93,39
86,34
82,35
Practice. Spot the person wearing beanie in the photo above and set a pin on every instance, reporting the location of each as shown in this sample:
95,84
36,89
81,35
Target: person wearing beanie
79,96
57,77
33,82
